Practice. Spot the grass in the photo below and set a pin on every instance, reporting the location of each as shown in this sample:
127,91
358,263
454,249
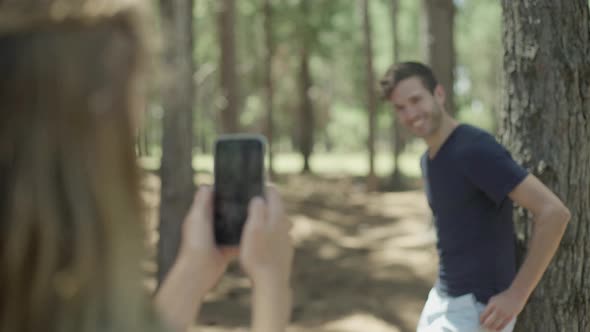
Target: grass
354,163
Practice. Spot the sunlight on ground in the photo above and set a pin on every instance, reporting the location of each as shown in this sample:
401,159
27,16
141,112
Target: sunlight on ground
360,322
353,323
322,163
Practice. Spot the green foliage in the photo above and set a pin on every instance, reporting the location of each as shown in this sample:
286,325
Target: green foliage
479,62
333,32
347,130
351,163
410,33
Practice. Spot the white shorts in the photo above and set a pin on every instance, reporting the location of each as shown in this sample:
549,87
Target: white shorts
453,314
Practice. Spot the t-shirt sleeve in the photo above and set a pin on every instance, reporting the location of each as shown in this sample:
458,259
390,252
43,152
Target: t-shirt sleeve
423,165
490,167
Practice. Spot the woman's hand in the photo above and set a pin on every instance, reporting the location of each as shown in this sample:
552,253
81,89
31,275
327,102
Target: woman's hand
266,250
198,245
266,255
198,267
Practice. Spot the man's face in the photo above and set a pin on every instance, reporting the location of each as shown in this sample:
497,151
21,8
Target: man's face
417,109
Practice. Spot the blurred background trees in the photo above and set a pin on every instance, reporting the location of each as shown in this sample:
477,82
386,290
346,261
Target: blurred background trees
296,71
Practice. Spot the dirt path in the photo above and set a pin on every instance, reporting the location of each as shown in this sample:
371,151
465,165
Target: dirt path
364,261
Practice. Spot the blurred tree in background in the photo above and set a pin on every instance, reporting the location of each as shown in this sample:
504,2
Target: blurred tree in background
371,96
176,171
439,43
229,79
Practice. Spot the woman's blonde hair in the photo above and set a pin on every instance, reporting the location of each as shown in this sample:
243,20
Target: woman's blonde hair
70,211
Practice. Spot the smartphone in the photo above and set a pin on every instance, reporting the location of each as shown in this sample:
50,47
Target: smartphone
238,177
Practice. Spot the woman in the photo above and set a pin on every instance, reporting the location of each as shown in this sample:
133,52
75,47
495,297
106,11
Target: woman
70,211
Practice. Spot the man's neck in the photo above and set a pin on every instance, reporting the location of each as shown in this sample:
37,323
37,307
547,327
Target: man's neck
438,138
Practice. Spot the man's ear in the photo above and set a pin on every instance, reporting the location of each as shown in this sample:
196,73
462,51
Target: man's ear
440,94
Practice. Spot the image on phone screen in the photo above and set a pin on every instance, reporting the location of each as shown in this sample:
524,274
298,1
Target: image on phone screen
239,177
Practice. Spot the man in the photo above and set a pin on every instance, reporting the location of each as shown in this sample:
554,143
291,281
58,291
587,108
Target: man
471,182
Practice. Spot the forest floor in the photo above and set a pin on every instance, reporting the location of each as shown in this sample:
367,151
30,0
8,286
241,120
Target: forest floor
364,261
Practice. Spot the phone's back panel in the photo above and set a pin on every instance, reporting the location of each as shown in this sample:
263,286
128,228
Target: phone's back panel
239,176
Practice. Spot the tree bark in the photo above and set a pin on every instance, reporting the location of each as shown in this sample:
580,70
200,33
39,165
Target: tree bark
269,43
229,77
307,121
371,94
176,171
545,123
141,142
396,134
440,47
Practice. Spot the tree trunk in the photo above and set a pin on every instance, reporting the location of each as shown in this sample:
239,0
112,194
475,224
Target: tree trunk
176,171
268,40
307,123
371,96
145,139
545,123
440,47
141,142
396,134
229,77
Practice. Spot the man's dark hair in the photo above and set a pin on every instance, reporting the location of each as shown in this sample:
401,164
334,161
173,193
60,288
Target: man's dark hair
403,70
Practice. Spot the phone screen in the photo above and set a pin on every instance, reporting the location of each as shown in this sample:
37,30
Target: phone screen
239,176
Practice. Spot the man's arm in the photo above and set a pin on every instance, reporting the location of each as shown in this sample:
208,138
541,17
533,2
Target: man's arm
550,218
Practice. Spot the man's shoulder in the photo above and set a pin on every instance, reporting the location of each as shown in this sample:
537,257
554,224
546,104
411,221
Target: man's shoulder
475,134
424,161
475,141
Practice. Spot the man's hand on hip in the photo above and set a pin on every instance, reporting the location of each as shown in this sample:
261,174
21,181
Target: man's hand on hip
501,310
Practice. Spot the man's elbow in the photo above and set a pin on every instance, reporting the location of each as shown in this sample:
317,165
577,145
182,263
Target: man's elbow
561,214
566,214
554,214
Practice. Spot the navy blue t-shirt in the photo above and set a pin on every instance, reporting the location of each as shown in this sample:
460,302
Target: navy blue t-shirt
467,183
